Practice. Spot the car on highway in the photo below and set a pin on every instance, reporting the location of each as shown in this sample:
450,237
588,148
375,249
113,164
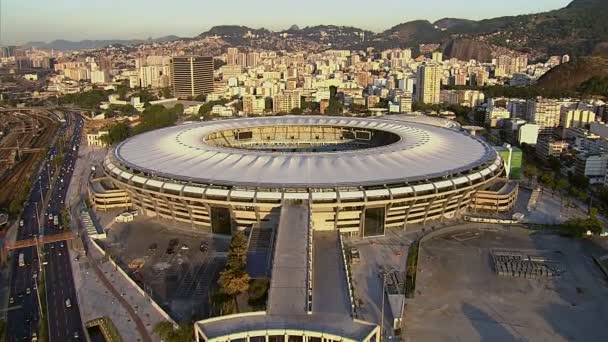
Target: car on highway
28,291
11,300
21,223
68,303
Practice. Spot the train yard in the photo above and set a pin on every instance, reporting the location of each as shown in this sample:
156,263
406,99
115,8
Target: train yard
24,138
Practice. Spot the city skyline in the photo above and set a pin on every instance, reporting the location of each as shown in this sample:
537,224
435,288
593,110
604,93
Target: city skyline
24,22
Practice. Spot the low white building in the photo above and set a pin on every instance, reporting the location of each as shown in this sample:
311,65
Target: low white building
94,139
528,134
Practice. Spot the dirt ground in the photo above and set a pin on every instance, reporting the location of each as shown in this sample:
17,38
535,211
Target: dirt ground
460,297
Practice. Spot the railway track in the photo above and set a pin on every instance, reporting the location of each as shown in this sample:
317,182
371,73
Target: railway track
26,135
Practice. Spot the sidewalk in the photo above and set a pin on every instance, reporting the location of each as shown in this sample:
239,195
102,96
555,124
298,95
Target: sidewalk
102,290
95,300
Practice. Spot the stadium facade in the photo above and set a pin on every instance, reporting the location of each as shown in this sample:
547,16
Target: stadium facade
360,176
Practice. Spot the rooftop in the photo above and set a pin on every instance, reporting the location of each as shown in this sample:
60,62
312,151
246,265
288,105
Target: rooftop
421,152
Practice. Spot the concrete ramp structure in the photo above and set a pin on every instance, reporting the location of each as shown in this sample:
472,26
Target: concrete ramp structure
308,298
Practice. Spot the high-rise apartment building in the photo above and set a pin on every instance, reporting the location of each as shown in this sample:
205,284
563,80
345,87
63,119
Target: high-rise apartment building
405,103
545,113
286,101
253,104
437,57
232,56
191,76
253,59
576,118
428,83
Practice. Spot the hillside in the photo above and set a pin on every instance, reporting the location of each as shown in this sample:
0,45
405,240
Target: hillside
570,76
579,29
67,45
466,49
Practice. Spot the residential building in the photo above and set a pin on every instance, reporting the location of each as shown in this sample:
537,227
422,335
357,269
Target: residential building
495,116
599,128
592,166
545,113
576,118
428,83
528,134
253,104
94,138
286,101
100,77
548,147
405,103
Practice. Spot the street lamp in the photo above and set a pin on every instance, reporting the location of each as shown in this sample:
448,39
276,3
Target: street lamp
382,314
38,293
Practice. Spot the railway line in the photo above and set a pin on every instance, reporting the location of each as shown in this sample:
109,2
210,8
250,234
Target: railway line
26,136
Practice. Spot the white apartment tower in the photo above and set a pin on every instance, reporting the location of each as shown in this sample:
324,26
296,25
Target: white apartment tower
428,83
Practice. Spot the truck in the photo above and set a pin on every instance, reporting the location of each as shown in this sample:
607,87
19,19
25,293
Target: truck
56,220
21,260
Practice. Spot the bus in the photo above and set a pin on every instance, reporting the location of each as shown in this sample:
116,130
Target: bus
21,260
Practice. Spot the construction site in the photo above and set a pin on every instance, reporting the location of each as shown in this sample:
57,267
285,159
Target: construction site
24,138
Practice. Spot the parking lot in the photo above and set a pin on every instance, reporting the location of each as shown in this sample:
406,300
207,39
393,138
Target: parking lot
177,267
460,296
377,255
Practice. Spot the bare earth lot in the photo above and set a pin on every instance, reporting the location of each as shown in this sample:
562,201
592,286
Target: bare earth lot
460,298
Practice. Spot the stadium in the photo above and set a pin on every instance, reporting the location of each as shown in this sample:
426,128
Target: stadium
359,175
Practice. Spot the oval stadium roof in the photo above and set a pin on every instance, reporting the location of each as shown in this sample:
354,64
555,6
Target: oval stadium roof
423,152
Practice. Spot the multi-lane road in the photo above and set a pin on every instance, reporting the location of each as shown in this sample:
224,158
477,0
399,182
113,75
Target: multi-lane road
63,314
65,323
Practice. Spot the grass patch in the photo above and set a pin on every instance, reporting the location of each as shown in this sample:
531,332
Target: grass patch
43,322
107,327
410,272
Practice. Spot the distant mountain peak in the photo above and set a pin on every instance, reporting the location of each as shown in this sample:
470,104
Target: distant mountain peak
586,3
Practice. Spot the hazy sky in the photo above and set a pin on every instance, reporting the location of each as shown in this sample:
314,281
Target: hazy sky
45,20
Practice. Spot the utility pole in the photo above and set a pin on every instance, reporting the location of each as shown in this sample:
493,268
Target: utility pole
38,293
382,315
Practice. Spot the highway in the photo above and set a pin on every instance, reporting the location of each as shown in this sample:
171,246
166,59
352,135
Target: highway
23,315
65,323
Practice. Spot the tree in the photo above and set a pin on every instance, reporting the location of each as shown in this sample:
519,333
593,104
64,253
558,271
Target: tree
548,179
65,219
234,279
237,251
268,105
530,171
155,117
233,282
168,333
335,107
561,184
144,96
333,91
178,109
297,111
116,133
311,106
166,92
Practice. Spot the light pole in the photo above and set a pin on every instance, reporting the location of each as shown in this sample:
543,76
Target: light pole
38,293
382,314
